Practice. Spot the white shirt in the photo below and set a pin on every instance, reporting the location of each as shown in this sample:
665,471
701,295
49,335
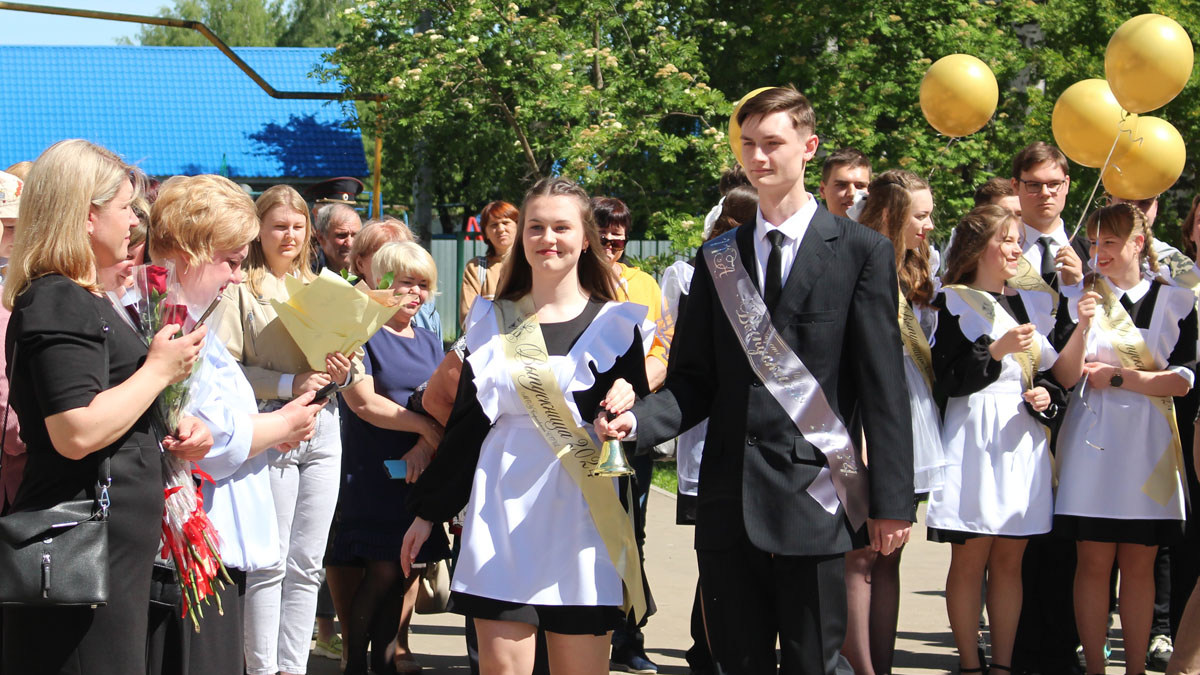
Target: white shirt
1033,250
793,230
240,504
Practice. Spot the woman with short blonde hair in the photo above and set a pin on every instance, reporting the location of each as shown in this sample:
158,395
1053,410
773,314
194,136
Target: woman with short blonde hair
82,385
203,225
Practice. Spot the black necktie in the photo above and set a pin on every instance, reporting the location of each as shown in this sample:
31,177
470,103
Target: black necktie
773,282
1048,267
1127,304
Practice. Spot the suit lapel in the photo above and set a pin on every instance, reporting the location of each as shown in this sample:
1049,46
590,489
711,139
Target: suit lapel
812,258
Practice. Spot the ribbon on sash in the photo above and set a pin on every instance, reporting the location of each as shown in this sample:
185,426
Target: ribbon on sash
1135,355
1026,279
987,307
1181,269
915,342
529,366
790,382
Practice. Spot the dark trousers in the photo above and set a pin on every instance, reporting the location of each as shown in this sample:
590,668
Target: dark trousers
1161,624
629,638
698,658
751,596
1046,634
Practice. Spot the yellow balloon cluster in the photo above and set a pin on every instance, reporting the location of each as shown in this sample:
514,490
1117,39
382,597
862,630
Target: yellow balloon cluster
735,129
959,94
1147,63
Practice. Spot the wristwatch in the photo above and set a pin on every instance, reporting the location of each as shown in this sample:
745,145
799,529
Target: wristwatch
1117,380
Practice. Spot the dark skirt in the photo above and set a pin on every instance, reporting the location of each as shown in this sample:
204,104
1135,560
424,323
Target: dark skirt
562,619
1118,530
111,638
942,536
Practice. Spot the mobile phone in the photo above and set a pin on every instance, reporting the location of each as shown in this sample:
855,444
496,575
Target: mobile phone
397,469
325,392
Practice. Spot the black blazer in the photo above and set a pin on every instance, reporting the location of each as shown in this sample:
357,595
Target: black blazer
838,313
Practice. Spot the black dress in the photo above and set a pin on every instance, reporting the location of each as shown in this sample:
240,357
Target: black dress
62,336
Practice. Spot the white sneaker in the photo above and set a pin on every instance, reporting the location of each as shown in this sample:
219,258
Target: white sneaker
1159,654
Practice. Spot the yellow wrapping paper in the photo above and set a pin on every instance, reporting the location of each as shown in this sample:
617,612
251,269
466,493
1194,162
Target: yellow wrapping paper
329,315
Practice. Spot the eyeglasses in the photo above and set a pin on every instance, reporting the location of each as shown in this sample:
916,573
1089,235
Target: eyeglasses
614,244
1035,187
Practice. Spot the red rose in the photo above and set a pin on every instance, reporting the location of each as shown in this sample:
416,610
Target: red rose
174,314
156,278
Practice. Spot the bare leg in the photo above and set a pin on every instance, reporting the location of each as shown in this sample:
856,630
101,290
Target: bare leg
1186,658
857,646
508,647
578,654
1004,596
885,610
1136,601
1092,573
968,563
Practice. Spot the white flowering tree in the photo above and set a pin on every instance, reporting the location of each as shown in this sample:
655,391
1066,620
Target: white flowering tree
488,96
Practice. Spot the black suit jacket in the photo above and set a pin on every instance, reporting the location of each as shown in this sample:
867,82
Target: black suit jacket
838,313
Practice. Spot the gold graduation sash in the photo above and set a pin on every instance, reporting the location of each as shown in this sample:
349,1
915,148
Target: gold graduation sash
915,342
529,366
986,306
1026,279
1135,355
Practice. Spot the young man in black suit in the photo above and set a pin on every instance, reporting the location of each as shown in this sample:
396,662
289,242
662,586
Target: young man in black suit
770,555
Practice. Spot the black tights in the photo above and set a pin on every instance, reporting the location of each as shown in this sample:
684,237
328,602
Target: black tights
374,616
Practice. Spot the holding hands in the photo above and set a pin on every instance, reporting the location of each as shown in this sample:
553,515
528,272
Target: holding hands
1086,309
191,441
172,358
312,381
618,401
1037,398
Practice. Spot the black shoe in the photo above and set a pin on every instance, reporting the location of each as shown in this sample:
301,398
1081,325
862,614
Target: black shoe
630,662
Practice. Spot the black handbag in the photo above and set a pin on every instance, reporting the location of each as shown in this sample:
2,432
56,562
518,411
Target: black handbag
57,556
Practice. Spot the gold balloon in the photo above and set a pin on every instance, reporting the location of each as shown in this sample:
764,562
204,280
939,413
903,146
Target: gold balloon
735,129
959,94
1153,164
1148,62
1085,123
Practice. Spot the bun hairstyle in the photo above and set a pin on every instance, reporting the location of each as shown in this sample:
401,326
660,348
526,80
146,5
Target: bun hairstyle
596,276
889,199
971,238
1124,221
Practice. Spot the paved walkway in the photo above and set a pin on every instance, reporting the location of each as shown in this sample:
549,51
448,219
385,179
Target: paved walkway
924,644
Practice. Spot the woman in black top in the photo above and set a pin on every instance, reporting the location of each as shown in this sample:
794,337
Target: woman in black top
81,383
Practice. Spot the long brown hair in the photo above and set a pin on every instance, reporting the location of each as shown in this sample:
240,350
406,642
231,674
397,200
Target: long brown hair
971,238
596,276
1123,221
886,211
256,261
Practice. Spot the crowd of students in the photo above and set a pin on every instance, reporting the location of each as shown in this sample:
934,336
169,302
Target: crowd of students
824,378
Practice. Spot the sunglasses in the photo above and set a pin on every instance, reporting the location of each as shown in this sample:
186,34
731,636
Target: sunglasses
614,244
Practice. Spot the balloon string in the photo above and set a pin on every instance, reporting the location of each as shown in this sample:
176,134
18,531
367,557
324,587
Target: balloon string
1086,205
943,152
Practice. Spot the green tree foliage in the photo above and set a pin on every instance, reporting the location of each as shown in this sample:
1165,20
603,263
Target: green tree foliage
491,96
249,23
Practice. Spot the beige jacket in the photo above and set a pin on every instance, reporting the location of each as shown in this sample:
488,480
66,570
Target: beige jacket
255,336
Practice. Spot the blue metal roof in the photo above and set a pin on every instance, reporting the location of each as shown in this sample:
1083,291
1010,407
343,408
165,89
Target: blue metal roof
178,110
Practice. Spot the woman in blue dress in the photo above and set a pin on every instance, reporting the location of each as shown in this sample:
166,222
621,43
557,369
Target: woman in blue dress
376,430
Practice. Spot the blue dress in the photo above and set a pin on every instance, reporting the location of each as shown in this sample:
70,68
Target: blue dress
371,517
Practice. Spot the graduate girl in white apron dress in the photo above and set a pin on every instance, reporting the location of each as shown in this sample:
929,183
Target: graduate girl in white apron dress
988,363
900,207
543,546
1120,471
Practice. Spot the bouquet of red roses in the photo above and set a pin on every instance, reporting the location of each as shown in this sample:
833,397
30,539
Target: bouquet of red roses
188,536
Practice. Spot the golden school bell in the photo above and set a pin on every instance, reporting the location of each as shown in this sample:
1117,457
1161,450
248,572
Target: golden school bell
612,461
